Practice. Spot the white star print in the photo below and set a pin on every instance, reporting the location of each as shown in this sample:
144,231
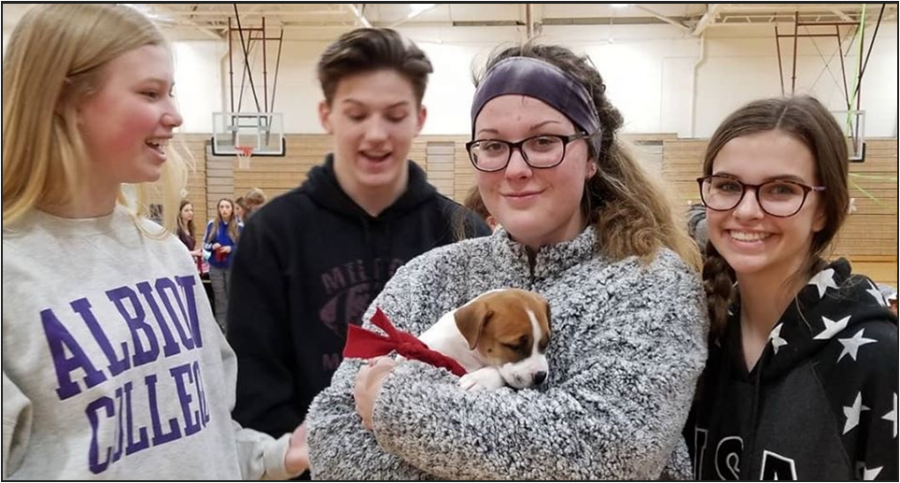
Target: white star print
876,294
852,413
832,327
775,336
852,345
866,473
892,416
823,280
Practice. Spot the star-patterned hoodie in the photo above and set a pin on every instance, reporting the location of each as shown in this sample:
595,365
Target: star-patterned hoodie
821,402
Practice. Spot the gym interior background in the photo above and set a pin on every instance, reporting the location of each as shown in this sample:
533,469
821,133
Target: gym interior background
674,70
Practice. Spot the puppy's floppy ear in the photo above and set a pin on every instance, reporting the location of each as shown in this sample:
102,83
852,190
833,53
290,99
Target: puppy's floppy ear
549,324
471,319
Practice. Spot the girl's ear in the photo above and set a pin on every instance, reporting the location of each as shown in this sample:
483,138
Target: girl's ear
820,220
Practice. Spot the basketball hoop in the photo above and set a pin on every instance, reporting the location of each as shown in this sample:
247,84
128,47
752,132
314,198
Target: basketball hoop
244,153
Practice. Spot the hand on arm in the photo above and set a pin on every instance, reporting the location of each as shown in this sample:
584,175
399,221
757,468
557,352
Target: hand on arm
296,460
368,383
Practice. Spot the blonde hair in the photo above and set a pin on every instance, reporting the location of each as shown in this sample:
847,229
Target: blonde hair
232,223
54,60
253,200
634,212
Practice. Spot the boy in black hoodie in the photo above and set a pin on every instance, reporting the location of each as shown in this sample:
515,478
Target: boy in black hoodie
311,261
801,381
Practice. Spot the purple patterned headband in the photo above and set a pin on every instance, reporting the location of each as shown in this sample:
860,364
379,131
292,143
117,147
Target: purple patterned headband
535,78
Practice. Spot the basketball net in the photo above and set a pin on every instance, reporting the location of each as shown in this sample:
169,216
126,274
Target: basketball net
244,153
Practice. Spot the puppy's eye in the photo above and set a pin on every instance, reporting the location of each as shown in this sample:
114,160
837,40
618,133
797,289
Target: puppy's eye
517,346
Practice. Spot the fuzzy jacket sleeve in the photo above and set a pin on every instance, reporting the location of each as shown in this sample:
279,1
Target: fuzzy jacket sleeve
616,411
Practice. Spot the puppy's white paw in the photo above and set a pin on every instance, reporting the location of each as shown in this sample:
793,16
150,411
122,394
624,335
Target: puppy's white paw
486,378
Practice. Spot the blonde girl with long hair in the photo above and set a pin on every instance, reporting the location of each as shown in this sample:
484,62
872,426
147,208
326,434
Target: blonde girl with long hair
112,366
220,241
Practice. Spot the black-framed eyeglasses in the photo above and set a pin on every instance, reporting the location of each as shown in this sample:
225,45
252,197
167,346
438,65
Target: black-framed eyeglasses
541,152
779,198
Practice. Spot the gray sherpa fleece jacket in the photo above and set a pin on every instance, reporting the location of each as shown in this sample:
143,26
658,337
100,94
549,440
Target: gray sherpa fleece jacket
628,343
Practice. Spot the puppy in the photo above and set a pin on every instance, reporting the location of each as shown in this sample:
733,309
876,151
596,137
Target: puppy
499,337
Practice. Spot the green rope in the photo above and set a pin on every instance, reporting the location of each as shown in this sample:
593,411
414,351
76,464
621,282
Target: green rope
869,176
868,195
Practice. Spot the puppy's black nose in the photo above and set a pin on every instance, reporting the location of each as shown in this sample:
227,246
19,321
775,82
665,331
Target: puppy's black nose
539,377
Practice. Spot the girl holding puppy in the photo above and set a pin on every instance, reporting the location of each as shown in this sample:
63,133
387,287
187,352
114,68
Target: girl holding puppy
586,228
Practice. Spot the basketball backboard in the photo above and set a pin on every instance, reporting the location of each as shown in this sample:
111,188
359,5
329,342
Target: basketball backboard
234,131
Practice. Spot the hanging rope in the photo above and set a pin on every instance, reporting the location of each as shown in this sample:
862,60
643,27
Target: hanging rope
237,17
859,60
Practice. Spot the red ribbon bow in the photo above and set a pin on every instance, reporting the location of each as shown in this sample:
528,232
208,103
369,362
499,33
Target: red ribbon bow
365,344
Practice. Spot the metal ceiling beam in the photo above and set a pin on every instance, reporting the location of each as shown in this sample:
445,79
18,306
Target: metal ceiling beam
210,23
712,11
359,16
661,17
283,13
413,15
739,19
164,11
603,21
841,15
789,7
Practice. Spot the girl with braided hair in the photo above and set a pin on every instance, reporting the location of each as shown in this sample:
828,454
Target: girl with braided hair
801,382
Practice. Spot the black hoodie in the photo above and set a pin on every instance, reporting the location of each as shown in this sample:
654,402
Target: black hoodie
821,402
309,263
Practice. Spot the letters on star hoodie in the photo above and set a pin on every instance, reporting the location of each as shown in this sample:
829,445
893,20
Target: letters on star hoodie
821,402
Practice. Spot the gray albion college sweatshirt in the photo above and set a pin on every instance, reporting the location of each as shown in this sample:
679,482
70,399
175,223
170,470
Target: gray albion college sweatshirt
113,365
628,344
